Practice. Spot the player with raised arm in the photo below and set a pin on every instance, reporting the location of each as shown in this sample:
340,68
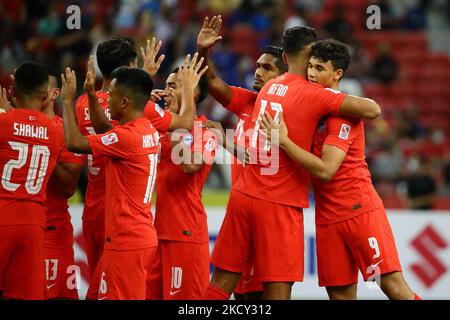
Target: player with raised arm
352,228
264,225
29,148
182,268
130,150
241,102
59,254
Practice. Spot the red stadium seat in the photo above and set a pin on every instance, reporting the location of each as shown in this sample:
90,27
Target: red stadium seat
442,203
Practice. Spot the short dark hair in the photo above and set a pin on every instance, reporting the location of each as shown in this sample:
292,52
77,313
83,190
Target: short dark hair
332,50
202,86
277,52
136,82
29,77
295,39
114,53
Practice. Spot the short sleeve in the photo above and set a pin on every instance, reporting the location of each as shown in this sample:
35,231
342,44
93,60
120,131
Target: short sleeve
205,143
159,118
342,132
240,99
116,143
326,101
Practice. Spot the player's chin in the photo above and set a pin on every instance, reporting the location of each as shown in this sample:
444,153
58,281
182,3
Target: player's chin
257,86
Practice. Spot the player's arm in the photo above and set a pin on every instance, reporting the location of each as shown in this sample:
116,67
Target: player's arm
358,107
227,141
75,141
323,168
99,120
207,38
192,161
66,176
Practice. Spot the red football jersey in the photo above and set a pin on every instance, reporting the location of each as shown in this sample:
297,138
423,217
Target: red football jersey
180,215
159,118
276,177
131,152
58,216
242,104
29,148
350,192
94,201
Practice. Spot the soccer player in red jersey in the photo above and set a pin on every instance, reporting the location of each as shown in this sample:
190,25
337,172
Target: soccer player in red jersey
181,271
59,254
241,102
352,228
131,151
29,148
264,225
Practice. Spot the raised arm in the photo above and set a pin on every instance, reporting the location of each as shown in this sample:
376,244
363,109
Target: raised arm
207,38
358,107
99,120
75,141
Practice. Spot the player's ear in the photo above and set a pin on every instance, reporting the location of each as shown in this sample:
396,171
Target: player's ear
338,74
285,58
55,93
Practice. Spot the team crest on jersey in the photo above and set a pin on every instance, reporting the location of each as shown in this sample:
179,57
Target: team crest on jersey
159,110
345,131
110,139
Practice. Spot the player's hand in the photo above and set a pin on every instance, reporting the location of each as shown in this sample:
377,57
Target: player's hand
5,104
156,95
69,86
190,72
89,84
151,65
209,34
268,124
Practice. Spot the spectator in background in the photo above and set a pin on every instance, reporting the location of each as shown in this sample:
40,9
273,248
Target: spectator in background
338,27
297,19
384,67
421,187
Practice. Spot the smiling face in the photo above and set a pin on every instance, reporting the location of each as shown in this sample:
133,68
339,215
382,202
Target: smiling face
266,69
170,103
323,73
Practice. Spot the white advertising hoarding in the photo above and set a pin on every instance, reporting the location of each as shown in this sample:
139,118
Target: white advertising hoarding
422,238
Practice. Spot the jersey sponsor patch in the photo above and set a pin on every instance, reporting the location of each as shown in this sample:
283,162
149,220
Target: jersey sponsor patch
159,110
110,139
345,131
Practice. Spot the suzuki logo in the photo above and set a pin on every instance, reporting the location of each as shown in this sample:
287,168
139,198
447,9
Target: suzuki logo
427,244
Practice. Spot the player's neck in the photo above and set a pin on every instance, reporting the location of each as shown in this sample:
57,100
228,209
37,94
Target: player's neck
335,86
49,111
298,69
130,116
30,104
105,85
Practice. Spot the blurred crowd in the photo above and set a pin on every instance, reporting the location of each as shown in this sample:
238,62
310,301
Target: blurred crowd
408,153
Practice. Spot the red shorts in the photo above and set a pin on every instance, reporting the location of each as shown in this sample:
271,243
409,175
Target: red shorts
60,269
94,238
263,233
22,270
248,283
124,274
365,242
179,272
